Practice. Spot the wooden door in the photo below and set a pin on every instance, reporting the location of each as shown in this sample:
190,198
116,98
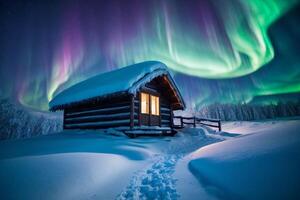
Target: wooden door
150,109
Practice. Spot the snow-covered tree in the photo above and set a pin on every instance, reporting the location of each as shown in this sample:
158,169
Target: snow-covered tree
232,112
18,122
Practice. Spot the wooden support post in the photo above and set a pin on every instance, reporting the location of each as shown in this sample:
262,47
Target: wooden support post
219,125
171,118
159,105
181,122
194,122
150,107
140,110
132,112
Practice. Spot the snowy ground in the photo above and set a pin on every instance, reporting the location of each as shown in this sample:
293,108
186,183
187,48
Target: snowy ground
263,164
94,165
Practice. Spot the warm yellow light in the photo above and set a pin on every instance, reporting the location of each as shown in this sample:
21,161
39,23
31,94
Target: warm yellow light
145,103
154,105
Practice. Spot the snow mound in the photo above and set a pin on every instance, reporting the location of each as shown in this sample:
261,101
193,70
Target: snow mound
69,165
64,176
260,165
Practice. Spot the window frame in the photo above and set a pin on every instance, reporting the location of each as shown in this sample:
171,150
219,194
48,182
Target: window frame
147,108
150,96
156,106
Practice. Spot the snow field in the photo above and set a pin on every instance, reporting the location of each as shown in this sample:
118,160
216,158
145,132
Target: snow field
65,176
261,163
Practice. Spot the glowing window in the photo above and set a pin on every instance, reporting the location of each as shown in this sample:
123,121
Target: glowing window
145,103
154,105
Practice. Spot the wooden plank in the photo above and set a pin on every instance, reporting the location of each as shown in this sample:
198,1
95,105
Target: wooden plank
100,111
113,102
211,125
177,117
98,118
188,118
177,126
163,114
99,126
165,121
149,91
163,109
165,105
190,123
208,120
166,114
127,121
166,117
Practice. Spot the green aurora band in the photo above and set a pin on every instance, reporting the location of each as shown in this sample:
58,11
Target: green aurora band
190,51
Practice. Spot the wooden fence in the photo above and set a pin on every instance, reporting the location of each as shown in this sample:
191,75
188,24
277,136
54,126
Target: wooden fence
216,123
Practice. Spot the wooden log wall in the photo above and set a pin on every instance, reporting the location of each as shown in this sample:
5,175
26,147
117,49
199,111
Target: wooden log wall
104,115
165,112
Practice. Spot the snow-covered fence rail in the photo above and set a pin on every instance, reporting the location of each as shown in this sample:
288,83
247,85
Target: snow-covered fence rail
216,123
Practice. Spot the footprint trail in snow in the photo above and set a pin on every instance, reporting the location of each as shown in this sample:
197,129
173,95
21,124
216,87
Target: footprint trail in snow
154,183
157,181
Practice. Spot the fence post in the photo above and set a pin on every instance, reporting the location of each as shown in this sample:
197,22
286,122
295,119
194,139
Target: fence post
194,122
219,124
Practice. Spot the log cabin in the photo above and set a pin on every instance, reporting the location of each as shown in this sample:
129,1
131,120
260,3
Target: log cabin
137,99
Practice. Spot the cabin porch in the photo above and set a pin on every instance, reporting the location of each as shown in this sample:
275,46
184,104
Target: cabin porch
147,131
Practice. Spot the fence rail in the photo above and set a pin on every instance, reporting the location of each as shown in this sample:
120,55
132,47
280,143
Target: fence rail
216,123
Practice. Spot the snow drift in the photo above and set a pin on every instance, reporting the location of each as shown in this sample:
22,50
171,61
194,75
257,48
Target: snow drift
69,165
96,165
261,165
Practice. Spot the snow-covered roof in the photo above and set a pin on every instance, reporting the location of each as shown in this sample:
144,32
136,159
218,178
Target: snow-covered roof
124,80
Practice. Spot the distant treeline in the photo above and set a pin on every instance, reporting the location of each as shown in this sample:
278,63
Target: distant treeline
232,112
18,122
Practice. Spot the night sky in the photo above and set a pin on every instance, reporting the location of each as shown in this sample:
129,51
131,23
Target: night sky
226,51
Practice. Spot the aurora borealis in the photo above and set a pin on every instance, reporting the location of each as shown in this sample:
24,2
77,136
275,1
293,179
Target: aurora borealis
219,51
